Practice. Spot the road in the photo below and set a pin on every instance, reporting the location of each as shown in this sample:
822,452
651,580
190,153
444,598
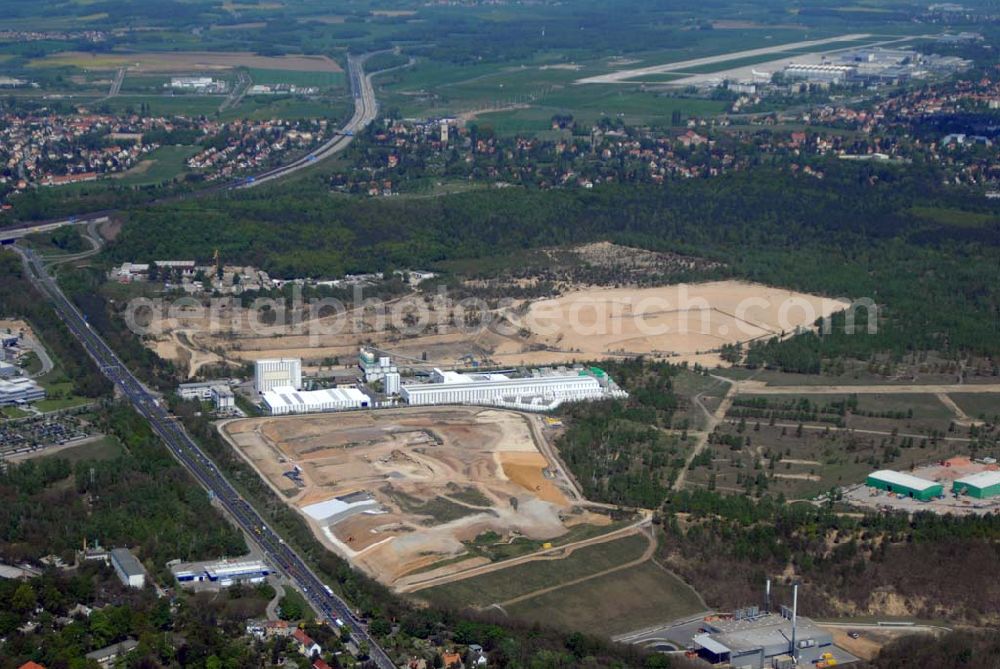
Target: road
365,111
756,388
190,455
712,419
555,553
116,83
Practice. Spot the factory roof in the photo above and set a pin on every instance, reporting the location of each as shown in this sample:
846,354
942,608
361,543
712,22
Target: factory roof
127,562
767,631
287,396
331,507
981,479
708,643
223,569
899,478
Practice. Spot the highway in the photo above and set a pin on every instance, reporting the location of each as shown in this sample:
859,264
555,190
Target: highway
365,111
190,455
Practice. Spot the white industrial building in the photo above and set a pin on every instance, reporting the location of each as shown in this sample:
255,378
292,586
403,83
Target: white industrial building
819,72
20,391
286,400
222,573
223,398
542,391
129,570
392,383
8,370
375,367
272,373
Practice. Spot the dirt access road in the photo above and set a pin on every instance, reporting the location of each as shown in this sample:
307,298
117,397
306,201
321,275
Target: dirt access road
712,419
759,388
556,553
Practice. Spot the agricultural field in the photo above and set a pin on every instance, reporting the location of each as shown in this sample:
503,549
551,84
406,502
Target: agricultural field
436,491
163,164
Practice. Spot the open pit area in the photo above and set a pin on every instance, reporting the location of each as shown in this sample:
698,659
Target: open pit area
409,495
681,322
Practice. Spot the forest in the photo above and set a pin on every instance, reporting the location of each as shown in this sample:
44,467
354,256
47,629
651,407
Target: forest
618,451
925,563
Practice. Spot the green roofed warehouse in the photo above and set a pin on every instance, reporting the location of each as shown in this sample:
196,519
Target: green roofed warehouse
980,486
905,484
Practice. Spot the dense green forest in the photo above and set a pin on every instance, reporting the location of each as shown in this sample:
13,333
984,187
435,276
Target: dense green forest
141,498
618,451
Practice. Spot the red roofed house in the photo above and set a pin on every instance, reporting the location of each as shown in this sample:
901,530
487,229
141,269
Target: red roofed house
320,664
307,646
31,665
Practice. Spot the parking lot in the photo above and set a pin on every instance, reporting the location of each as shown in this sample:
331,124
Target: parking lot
36,434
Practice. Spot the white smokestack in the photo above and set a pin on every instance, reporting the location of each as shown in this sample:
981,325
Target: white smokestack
767,597
795,614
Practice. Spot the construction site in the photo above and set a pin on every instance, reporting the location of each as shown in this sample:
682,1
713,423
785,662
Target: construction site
409,495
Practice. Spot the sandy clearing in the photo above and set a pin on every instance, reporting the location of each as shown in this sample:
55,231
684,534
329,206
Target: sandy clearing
526,470
679,322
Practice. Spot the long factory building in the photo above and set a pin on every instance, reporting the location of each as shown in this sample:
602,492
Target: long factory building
286,400
542,390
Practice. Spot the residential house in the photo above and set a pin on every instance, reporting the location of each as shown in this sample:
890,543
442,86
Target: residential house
452,660
306,645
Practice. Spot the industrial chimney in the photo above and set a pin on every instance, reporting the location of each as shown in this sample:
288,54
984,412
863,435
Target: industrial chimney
767,597
795,613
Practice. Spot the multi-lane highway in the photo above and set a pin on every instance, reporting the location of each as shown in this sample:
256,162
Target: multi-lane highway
365,111
187,451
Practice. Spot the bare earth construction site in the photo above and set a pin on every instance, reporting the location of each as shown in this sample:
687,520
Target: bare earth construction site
418,495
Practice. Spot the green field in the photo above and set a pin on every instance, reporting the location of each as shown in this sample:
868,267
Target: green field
955,218
12,413
615,603
103,448
978,405
163,164
522,579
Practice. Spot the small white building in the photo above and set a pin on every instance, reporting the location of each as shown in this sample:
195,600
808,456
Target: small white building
392,383
286,399
20,390
271,373
129,569
223,398
375,367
